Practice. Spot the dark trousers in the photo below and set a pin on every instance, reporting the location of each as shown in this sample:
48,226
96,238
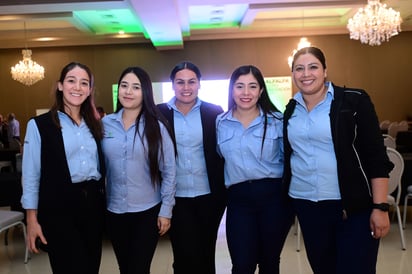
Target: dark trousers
74,236
336,245
257,223
134,237
193,234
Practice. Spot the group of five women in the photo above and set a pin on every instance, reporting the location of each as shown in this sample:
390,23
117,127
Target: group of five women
177,166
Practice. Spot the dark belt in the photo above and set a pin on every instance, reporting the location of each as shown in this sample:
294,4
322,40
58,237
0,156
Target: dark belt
263,180
89,186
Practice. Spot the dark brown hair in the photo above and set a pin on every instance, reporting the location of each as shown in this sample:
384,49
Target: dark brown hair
311,50
87,109
185,65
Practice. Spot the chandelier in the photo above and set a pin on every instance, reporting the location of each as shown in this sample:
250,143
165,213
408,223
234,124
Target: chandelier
374,24
27,71
303,43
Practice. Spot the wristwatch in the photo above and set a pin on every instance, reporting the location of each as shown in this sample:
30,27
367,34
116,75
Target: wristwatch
381,206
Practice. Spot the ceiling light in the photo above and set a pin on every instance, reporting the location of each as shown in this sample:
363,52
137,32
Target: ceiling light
303,43
216,19
27,71
46,39
374,24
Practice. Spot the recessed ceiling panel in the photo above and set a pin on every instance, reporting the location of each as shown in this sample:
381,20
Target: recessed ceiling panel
168,23
302,13
216,16
110,21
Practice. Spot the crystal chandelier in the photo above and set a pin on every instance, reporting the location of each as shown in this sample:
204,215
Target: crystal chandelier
303,43
374,24
27,71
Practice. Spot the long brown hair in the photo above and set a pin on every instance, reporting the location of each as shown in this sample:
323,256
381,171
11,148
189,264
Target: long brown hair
87,109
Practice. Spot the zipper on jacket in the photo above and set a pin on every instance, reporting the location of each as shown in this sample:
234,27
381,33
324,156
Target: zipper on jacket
359,162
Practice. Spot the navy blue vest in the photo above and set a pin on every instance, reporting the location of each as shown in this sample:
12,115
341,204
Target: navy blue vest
55,181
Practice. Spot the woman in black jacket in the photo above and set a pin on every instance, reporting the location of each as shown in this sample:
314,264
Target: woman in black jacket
200,189
336,169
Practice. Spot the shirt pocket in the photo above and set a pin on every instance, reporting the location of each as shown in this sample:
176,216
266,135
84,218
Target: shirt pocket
271,147
225,142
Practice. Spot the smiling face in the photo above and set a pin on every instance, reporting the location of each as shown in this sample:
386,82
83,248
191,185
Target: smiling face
186,86
246,92
75,87
308,74
130,92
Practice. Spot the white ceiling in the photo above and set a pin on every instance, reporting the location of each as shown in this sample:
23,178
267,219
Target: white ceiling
169,23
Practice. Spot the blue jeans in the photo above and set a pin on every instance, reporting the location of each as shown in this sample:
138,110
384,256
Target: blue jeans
336,245
257,223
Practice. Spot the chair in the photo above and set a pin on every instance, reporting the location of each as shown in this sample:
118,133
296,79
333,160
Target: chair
394,187
404,142
403,126
384,125
9,219
393,129
389,141
405,205
10,193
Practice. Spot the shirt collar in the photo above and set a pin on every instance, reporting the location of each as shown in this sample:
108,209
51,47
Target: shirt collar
330,92
118,115
229,115
172,104
65,116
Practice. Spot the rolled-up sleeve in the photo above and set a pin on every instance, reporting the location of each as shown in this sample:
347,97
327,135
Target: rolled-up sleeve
31,166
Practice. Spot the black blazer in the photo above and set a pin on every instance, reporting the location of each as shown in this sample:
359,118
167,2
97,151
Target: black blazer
214,163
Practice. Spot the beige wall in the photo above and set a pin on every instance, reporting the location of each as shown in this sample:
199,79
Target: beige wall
382,70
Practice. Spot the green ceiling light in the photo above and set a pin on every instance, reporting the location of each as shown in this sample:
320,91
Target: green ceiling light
109,21
168,44
216,16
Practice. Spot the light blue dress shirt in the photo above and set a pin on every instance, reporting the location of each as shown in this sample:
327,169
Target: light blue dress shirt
129,186
313,160
81,154
191,173
241,148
